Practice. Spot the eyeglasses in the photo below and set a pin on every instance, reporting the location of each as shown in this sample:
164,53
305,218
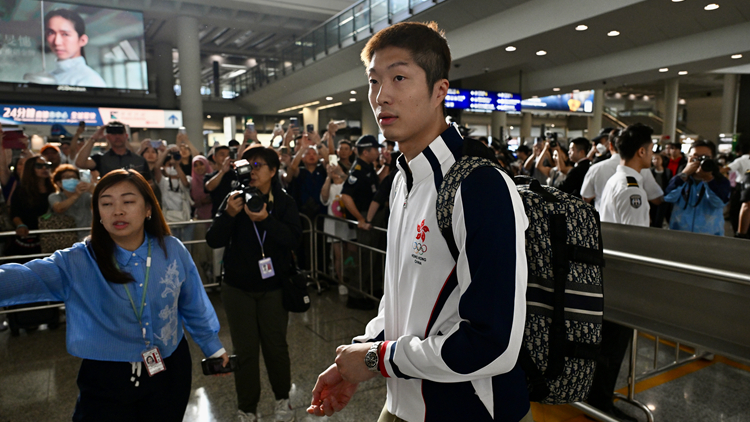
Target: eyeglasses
257,165
40,166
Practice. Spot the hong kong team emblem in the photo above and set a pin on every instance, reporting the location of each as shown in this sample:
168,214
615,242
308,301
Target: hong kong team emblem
419,244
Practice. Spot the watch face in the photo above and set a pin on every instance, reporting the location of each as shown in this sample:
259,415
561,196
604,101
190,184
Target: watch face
371,359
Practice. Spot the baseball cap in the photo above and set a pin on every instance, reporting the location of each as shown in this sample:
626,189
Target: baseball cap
48,146
367,141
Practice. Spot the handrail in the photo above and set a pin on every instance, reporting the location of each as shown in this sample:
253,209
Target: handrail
681,267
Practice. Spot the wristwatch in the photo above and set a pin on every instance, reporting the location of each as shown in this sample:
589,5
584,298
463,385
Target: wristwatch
371,358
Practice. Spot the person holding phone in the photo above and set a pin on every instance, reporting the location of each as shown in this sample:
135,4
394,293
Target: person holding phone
73,197
65,33
119,155
29,201
128,290
175,192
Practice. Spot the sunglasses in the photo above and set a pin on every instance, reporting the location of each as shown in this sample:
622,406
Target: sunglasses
40,166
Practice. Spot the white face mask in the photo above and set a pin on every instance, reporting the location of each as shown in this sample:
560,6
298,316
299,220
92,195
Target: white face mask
170,171
601,149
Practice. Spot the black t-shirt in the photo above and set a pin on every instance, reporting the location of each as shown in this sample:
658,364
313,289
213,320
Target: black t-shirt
221,191
187,168
110,161
361,185
574,180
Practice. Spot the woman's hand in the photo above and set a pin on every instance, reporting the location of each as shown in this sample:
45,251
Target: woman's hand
82,187
235,203
257,216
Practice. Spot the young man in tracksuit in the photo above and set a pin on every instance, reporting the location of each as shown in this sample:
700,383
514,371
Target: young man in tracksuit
447,334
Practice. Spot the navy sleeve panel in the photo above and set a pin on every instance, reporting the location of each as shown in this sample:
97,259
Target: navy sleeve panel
675,183
487,305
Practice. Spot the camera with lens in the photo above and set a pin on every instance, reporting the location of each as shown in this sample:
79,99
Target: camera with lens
251,195
115,129
552,136
175,156
708,165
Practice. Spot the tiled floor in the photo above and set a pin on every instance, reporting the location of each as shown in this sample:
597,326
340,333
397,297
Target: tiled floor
37,377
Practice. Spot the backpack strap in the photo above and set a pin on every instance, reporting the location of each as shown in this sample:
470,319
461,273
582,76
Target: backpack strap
447,195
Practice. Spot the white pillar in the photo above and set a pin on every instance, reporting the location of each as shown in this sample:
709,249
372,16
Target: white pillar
369,123
165,98
729,104
499,119
671,98
191,102
525,127
595,122
310,116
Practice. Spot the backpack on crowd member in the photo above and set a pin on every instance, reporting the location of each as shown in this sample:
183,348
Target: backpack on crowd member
564,298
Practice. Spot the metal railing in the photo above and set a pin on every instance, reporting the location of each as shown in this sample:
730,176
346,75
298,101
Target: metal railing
351,25
217,274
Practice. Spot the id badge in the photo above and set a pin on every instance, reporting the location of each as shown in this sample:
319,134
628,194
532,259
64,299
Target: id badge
154,362
266,268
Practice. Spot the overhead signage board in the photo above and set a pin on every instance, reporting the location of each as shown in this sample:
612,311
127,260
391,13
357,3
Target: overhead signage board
482,101
50,115
581,102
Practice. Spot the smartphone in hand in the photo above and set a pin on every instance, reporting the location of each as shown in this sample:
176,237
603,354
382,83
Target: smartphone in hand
213,366
85,175
333,159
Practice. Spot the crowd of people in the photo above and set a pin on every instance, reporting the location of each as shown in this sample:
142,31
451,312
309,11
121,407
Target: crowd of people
254,196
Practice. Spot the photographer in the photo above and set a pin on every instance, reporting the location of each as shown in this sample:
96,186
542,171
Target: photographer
258,225
699,193
175,192
119,155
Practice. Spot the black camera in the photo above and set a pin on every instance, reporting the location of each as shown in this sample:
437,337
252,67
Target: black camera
115,129
175,156
251,195
552,136
233,152
708,165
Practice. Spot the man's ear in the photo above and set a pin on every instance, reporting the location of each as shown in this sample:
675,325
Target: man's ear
440,90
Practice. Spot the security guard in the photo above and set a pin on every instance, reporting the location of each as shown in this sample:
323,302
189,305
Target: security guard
358,191
623,201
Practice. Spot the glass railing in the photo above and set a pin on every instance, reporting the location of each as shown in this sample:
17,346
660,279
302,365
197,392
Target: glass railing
351,25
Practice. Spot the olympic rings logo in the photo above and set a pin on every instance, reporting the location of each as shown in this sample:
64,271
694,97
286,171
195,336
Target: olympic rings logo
420,248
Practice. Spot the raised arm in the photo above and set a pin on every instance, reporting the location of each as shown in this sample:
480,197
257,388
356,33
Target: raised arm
83,159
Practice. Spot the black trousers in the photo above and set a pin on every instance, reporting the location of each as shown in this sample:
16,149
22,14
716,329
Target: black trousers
109,393
615,340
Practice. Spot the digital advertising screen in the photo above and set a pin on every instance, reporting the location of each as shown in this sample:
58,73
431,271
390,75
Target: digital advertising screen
581,102
12,114
73,46
482,101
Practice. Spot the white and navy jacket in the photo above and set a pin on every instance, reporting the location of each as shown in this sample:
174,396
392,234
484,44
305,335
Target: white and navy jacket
453,330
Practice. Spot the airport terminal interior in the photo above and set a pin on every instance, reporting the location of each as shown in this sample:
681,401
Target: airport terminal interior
522,72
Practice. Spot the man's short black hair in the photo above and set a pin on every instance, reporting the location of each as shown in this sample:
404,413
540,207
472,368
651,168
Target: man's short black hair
632,138
606,131
581,144
524,149
344,141
703,143
233,143
744,145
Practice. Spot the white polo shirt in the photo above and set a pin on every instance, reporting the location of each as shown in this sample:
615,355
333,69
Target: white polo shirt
623,200
739,167
598,175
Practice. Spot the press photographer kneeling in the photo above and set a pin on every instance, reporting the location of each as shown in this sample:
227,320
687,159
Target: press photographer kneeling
259,225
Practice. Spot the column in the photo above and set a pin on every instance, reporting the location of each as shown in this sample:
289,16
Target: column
165,98
525,127
191,102
499,120
369,123
729,104
310,117
595,122
671,94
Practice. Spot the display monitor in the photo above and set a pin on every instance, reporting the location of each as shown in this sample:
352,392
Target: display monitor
581,102
73,46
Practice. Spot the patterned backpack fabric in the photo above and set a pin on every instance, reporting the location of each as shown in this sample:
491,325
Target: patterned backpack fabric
564,299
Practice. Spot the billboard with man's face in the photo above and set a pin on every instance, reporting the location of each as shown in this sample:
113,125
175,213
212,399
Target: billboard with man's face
53,43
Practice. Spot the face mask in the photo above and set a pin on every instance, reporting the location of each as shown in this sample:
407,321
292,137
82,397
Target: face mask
601,149
70,184
170,171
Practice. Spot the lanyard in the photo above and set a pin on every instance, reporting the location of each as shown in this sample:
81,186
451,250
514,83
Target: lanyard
143,299
262,241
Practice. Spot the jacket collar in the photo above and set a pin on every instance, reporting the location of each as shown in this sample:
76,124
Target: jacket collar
442,152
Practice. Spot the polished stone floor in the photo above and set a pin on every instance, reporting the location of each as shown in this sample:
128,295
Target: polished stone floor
37,377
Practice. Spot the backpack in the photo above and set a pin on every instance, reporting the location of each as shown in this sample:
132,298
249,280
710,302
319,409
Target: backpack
564,299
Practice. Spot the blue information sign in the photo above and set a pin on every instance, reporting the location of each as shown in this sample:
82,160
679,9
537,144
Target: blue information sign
482,101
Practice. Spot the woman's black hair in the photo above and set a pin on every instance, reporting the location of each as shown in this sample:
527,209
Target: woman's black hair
268,155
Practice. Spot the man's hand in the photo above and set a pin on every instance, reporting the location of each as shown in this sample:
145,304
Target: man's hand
257,216
363,224
99,134
331,393
22,231
226,165
314,137
251,135
332,128
278,131
692,167
350,361
235,203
